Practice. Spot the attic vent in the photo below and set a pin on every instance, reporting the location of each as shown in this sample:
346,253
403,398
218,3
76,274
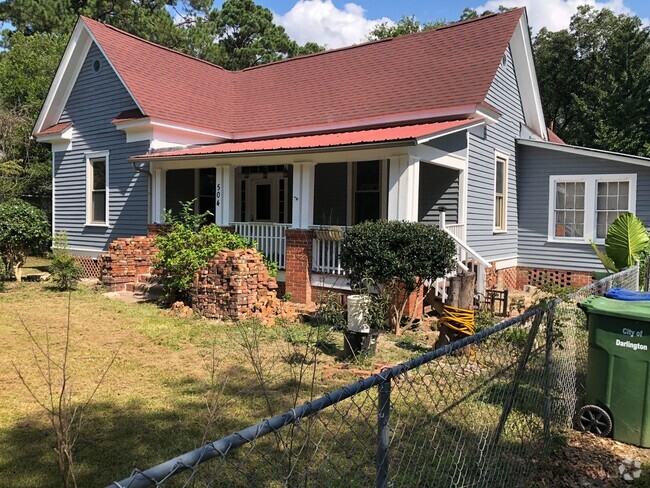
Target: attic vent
504,60
97,65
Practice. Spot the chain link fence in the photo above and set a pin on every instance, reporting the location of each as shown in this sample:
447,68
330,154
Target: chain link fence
482,411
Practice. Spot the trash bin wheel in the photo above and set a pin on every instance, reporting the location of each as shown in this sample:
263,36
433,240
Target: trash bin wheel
592,418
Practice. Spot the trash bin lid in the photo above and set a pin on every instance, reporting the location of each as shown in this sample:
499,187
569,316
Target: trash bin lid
627,295
636,310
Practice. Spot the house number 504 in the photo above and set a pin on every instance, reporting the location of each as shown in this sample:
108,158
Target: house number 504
218,194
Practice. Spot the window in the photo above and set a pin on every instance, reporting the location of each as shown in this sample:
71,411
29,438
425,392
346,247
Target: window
500,193
367,191
583,207
97,189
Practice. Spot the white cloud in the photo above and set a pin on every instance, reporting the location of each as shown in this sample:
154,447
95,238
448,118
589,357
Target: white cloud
554,14
322,22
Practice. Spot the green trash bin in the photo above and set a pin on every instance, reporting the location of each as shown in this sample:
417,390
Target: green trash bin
618,370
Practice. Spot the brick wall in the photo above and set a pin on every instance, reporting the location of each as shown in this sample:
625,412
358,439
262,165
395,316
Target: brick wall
236,285
539,276
502,279
128,263
298,265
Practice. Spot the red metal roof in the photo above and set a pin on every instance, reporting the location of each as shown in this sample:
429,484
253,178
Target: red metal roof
386,134
55,129
553,137
406,79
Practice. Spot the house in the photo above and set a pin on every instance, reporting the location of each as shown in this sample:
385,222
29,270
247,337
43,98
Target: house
443,127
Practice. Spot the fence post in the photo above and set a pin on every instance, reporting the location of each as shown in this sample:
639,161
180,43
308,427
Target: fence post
383,431
550,315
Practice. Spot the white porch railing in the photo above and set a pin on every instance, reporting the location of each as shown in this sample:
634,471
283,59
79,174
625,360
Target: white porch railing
326,256
466,258
269,237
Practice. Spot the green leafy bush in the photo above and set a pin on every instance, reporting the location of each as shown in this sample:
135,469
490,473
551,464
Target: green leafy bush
398,257
186,247
24,230
65,270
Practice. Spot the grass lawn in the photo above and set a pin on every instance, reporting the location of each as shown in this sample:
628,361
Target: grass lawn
152,403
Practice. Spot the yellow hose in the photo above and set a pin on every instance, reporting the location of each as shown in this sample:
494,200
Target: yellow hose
458,319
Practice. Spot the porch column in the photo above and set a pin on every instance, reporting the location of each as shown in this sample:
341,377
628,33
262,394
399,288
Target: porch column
303,195
224,210
403,188
158,195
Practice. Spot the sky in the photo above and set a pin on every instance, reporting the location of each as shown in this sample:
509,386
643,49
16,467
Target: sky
338,23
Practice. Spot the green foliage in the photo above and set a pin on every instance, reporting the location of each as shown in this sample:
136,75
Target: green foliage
594,80
24,230
186,247
65,270
396,251
249,37
405,25
330,312
627,241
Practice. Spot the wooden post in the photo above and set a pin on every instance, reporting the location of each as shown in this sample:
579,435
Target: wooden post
461,295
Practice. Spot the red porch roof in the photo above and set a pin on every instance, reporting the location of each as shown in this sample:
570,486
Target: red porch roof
386,134
55,129
408,79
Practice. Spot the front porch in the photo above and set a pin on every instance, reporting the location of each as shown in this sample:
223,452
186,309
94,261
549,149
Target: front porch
283,202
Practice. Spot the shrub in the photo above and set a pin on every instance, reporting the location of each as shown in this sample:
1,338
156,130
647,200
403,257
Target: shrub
24,230
398,256
65,271
186,247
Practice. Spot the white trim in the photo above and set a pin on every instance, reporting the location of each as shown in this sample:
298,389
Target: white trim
167,134
86,251
521,50
89,156
500,155
53,195
338,282
591,182
490,116
586,151
65,77
60,141
504,263
437,135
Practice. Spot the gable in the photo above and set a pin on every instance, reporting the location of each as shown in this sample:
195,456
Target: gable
74,58
97,95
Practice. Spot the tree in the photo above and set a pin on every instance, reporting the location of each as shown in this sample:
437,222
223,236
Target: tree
594,80
249,37
405,25
24,230
398,257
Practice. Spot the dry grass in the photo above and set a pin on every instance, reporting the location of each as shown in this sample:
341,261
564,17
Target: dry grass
152,404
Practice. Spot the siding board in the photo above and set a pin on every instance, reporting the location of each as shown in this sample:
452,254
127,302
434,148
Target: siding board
504,95
536,165
95,100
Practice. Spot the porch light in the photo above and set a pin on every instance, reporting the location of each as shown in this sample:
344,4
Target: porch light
265,172
285,171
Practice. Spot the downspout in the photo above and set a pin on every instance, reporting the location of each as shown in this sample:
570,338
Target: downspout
149,178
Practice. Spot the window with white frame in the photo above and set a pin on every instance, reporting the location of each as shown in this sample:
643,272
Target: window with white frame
97,189
500,192
581,208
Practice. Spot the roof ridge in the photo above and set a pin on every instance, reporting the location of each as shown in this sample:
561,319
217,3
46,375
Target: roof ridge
400,37
151,43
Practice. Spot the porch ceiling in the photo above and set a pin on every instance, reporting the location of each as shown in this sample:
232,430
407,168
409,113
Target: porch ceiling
414,133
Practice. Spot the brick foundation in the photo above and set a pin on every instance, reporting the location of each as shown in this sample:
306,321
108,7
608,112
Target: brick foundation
236,285
298,265
501,279
540,276
128,263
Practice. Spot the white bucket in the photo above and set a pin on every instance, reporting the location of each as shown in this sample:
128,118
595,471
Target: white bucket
358,313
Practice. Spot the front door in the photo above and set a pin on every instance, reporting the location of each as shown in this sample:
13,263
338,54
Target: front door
262,201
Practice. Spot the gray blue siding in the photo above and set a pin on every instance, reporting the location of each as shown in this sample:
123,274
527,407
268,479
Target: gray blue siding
95,100
504,95
536,166
438,188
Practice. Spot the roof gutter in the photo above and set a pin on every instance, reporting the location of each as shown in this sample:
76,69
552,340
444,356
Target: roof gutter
278,152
